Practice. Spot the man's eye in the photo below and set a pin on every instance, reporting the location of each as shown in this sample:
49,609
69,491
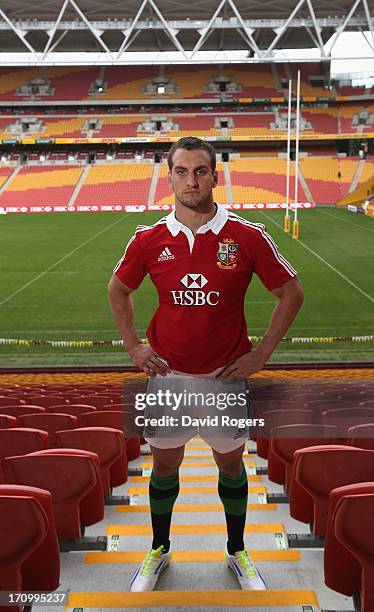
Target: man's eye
201,172
181,172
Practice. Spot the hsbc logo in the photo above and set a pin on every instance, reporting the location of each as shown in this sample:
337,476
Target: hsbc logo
194,281
194,296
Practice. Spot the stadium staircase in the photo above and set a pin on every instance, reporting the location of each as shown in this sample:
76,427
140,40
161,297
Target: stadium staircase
78,186
356,176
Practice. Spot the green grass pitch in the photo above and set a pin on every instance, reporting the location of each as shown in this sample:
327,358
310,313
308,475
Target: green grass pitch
55,269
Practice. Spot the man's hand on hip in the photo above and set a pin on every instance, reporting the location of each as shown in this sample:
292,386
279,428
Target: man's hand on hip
146,359
244,366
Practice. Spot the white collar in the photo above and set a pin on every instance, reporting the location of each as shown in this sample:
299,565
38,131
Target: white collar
216,224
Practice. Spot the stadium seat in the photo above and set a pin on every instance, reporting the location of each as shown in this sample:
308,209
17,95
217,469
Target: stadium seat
41,570
21,441
286,439
107,443
354,528
53,472
275,418
23,527
49,422
362,436
342,571
7,421
319,469
102,418
45,400
73,409
91,508
5,401
17,411
132,448
97,400
344,418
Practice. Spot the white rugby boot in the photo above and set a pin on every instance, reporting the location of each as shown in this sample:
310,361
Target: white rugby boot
244,569
147,574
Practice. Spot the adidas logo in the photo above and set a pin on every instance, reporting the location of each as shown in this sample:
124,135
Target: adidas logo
166,255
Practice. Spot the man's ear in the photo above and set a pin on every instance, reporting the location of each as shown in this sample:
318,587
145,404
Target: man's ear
215,178
169,178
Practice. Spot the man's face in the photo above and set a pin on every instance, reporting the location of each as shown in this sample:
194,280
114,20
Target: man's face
192,178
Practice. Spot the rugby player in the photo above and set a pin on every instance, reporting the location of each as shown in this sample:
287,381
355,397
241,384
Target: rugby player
201,258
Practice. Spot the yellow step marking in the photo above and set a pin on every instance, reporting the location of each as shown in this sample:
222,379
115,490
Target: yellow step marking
201,463
194,508
193,490
142,530
255,478
162,599
189,556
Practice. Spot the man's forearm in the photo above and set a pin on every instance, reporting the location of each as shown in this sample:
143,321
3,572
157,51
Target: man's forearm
122,308
283,315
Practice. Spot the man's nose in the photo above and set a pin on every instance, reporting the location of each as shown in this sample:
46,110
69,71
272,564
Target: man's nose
191,179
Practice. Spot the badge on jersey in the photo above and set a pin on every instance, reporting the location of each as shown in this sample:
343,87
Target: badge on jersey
227,255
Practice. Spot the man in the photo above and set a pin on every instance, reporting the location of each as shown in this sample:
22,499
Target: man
201,259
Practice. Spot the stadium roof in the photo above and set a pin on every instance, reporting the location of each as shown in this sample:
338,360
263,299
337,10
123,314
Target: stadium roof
118,29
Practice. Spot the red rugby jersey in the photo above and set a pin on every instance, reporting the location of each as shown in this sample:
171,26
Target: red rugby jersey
201,281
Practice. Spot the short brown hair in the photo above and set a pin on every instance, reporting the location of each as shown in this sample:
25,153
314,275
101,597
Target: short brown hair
191,143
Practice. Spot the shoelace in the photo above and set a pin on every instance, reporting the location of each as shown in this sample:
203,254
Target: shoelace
245,563
151,561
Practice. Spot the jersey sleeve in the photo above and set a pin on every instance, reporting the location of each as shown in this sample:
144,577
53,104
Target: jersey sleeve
131,269
270,266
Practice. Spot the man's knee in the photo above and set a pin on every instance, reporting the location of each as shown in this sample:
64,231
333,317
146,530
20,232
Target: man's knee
166,461
230,463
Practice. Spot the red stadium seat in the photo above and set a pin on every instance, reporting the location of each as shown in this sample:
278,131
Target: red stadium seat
6,401
319,469
54,472
286,439
45,400
107,443
21,441
41,570
362,436
132,448
102,418
342,571
117,407
17,411
7,421
72,409
97,400
49,422
354,528
275,418
91,508
348,417
23,527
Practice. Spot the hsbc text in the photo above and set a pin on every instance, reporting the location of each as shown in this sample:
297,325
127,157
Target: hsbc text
195,298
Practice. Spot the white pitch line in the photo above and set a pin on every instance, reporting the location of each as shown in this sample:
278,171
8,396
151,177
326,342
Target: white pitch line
348,280
58,262
345,221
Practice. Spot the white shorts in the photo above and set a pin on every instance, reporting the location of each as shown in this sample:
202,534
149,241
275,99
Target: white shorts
219,438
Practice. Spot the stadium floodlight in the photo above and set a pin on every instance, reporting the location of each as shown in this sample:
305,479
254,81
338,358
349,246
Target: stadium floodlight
287,217
295,227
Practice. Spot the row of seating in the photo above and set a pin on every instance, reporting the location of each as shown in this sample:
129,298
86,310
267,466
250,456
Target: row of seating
332,120
251,179
327,473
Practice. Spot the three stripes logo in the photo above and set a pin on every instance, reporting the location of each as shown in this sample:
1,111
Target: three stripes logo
166,255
